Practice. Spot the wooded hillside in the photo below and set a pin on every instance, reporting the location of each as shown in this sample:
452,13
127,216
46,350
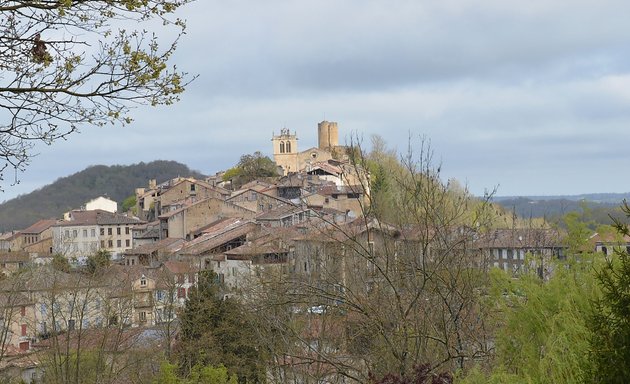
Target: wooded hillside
116,182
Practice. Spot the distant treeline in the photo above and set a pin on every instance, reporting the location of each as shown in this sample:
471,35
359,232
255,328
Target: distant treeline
599,210
117,182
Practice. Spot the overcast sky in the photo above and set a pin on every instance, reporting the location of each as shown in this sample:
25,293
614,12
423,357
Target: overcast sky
530,96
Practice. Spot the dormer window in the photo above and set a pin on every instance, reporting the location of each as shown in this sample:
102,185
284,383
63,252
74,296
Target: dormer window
143,281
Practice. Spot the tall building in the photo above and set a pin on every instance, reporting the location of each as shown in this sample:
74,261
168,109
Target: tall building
327,135
285,150
286,154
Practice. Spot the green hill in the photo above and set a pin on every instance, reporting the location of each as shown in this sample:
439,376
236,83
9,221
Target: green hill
116,182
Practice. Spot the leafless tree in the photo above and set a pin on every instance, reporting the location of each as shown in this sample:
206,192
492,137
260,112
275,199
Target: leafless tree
66,64
383,296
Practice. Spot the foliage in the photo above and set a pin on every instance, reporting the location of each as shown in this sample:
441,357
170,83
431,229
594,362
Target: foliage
97,261
198,375
129,204
251,167
421,375
578,234
554,209
400,286
610,323
215,330
75,190
544,326
68,64
60,263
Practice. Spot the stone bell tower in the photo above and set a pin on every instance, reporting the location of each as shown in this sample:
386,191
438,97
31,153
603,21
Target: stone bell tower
285,150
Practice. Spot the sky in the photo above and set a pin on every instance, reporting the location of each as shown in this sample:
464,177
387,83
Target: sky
530,97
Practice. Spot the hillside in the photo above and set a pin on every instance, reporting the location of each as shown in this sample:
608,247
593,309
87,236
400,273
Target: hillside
600,206
117,182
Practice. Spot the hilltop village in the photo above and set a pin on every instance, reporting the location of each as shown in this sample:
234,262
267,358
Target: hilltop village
313,226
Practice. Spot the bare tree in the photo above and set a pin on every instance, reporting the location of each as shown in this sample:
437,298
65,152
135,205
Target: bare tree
376,296
66,64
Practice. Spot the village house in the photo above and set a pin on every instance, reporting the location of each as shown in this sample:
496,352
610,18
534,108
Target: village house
83,233
206,250
285,216
609,243
517,249
184,222
151,253
255,200
102,203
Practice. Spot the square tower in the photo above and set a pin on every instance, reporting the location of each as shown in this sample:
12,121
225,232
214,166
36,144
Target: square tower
285,150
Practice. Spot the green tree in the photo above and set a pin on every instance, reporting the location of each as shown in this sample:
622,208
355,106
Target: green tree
610,323
100,259
60,263
198,375
130,204
216,330
251,167
67,64
543,326
577,233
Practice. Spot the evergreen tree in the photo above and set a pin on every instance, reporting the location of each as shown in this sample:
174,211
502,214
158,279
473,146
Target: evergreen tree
610,343
216,330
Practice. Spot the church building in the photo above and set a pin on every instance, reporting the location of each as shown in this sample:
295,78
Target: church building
287,155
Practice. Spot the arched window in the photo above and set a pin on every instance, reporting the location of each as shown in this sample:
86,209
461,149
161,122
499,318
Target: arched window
282,147
288,147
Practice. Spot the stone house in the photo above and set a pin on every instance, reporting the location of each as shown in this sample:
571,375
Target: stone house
517,249
184,222
257,201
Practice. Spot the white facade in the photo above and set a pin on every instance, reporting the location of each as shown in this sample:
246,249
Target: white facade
76,241
102,203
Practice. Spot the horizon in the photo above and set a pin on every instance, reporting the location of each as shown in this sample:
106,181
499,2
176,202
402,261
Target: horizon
521,97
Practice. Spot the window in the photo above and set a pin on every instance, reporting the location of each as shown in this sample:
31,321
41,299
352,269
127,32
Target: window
192,187
127,242
143,281
85,233
110,243
282,147
23,330
126,230
74,233
109,231
22,311
181,293
102,243
159,295
118,231
93,232
71,323
119,243
288,147
67,233
143,317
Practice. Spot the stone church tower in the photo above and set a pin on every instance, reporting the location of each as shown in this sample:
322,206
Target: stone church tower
285,151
